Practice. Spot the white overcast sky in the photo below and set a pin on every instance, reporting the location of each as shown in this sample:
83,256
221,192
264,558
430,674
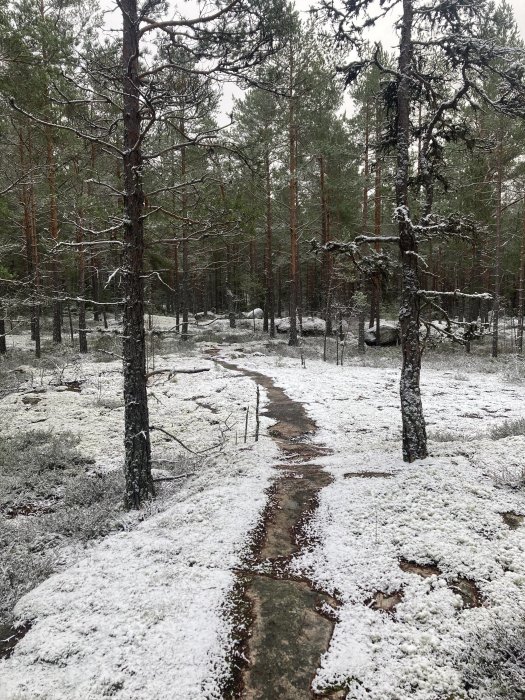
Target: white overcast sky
517,5
384,33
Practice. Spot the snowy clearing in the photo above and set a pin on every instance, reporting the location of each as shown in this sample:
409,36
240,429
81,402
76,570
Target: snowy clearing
146,613
444,511
150,612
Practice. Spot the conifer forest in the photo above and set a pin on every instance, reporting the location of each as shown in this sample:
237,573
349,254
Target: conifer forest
262,374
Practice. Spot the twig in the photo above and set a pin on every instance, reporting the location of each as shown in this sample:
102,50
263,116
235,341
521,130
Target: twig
257,421
113,354
193,452
173,478
246,424
177,371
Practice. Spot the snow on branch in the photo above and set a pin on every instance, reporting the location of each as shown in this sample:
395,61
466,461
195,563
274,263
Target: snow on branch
450,225
456,294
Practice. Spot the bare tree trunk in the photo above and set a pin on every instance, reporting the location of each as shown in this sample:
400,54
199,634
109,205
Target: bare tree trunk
294,257
185,292
82,335
521,290
414,429
33,251
269,307
497,251
53,231
377,226
326,260
139,482
3,344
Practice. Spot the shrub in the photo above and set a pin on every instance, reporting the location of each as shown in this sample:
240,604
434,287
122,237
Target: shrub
50,499
508,429
494,664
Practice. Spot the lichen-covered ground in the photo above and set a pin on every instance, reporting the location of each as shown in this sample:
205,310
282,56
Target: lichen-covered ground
427,561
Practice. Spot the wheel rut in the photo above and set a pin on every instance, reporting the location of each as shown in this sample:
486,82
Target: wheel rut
290,623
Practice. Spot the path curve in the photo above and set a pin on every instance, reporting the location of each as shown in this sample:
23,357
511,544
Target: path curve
288,627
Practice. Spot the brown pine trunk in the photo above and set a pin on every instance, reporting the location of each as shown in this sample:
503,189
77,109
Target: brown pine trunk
185,292
521,287
294,252
377,228
53,231
326,260
139,482
31,237
497,251
414,429
269,307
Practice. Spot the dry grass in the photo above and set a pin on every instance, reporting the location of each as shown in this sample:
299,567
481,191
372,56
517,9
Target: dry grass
50,500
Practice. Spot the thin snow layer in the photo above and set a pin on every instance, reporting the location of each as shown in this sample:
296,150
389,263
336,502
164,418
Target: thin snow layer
147,613
444,511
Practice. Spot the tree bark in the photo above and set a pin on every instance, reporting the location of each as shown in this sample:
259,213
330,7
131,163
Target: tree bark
326,260
497,251
53,231
269,315
185,292
376,304
521,287
139,482
414,429
294,253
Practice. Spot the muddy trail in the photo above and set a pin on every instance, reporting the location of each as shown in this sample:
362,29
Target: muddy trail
289,622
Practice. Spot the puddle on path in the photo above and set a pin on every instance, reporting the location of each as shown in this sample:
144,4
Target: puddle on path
289,630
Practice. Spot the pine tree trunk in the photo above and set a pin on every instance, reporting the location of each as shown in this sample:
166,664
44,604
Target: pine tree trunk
294,257
414,429
269,307
377,227
185,292
82,335
139,482
3,344
497,251
53,231
521,287
326,259
34,255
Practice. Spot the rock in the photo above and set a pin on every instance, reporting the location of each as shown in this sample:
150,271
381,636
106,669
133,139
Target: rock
313,326
31,400
255,313
388,335
202,315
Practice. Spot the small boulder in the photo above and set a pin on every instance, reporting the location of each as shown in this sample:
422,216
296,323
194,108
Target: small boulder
255,313
313,326
388,335
203,315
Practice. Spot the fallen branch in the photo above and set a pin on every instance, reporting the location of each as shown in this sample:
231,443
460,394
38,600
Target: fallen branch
173,437
173,478
177,371
113,354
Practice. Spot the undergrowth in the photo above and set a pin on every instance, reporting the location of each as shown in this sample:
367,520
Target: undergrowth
494,664
50,500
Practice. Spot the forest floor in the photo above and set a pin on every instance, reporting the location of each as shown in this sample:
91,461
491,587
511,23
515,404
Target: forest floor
418,570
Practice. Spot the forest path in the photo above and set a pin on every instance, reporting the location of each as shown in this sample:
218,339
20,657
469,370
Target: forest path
289,627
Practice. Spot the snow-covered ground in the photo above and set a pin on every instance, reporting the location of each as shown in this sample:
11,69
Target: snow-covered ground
444,511
146,613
